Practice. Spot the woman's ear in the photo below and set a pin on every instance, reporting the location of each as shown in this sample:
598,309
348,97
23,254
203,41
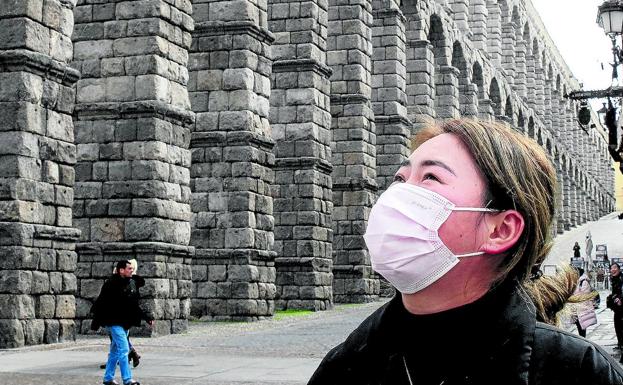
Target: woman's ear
503,229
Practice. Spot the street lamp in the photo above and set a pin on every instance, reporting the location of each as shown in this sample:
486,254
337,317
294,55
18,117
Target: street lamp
610,18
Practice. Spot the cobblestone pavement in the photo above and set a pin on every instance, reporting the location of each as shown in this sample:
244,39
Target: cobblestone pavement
277,352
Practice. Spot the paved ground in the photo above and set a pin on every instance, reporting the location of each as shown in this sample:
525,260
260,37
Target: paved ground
273,352
608,230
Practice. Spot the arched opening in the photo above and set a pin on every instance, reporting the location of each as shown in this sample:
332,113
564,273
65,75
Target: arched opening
531,127
466,102
478,80
437,38
508,109
521,122
495,97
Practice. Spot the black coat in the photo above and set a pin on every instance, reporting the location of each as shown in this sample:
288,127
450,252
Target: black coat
495,340
616,283
118,303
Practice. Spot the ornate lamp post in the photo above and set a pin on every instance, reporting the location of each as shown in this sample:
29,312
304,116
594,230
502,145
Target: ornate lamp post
610,18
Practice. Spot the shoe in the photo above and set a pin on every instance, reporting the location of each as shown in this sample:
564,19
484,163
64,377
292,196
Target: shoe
132,382
111,382
103,366
134,357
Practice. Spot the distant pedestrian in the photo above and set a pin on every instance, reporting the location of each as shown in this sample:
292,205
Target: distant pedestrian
117,308
576,251
614,301
461,234
589,246
584,311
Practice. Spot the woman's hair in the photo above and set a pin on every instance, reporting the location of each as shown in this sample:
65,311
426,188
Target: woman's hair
518,176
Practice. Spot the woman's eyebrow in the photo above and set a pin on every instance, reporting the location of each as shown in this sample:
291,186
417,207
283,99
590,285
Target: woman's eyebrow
405,163
438,163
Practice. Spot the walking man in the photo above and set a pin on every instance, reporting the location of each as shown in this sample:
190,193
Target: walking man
117,308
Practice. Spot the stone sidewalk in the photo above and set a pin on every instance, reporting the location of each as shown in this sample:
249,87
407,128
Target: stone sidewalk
280,351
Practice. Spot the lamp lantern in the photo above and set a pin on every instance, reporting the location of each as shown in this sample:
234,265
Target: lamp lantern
610,17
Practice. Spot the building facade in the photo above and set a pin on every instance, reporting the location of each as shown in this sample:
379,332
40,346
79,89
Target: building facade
236,147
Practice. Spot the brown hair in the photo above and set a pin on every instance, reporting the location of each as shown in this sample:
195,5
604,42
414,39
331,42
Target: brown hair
518,176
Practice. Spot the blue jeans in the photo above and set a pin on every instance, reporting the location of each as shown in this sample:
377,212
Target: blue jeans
119,349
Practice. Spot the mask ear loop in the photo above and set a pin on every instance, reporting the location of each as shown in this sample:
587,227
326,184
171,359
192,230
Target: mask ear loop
480,209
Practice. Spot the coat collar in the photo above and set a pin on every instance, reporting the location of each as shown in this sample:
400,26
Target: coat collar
499,333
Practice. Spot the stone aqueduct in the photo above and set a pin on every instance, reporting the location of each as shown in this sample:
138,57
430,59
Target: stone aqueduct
235,147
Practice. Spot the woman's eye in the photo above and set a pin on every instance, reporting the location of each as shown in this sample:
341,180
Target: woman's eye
429,176
398,179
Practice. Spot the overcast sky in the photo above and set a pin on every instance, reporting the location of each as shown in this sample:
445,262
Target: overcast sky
583,44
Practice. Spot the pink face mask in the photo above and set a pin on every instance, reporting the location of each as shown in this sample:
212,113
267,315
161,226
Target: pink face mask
402,237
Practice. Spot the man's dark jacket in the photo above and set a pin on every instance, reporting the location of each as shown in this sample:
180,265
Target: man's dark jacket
118,303
503,347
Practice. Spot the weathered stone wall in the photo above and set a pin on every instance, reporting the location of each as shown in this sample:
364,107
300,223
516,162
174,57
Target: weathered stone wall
297,113
37,155
132,124
301,127
232,154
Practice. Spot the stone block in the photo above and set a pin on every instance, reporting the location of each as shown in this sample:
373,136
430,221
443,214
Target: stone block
93,49
83,308
156,288
65,306
45,306
18,306
33,331
238,79
23,32
67,330
179,326
153,307
56,282
52,330
120,89
153,87
90,288
66,260
237,238
11,334
107,229
70,283
40,282
16,281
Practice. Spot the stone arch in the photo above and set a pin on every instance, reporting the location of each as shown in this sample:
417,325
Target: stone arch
478,79
468,100
495,97
437,37
532,48
548,146
446,98
508,110
521,121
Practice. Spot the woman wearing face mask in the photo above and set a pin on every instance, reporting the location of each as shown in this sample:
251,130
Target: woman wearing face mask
461,235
